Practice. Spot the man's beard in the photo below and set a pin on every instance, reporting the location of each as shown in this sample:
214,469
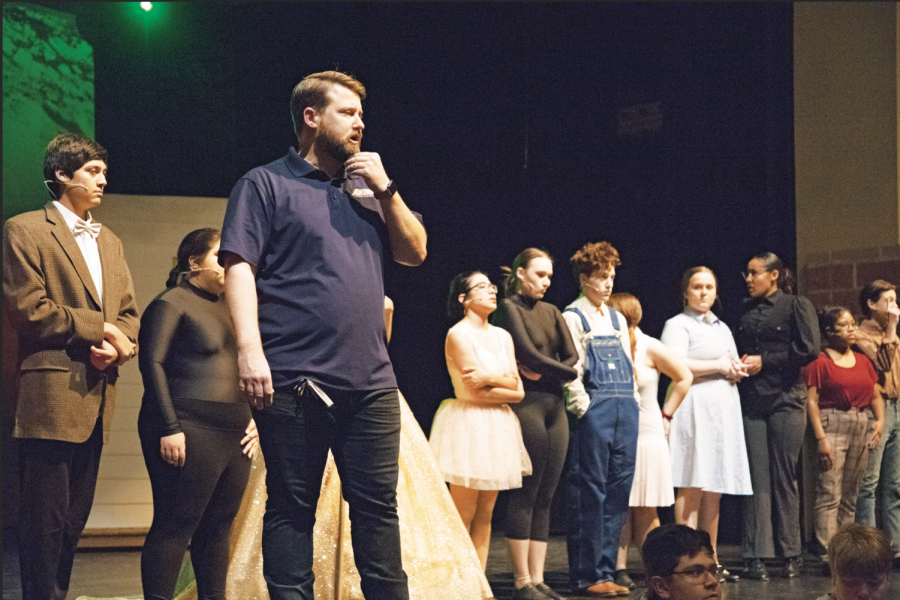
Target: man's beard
337,149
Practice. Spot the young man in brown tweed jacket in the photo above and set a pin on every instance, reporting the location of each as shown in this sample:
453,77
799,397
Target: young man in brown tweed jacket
69,295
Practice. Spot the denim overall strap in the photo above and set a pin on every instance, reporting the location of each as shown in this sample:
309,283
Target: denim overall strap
614,317
584,322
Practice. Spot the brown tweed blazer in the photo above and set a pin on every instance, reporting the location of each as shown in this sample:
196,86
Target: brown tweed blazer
50,299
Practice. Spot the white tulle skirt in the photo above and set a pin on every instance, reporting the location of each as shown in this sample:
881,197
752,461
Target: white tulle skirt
479,445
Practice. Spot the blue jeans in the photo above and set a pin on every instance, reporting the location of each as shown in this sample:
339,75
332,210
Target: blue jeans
602,451
883,472
362,430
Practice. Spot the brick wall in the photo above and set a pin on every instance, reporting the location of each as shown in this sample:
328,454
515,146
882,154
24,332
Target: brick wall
836,277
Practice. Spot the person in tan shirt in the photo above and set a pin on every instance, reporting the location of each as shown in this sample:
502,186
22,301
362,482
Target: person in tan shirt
877,339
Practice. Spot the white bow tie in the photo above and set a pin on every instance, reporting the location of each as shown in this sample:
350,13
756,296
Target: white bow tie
92,228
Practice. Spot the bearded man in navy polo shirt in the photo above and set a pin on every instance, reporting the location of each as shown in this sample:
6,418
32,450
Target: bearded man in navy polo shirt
302,246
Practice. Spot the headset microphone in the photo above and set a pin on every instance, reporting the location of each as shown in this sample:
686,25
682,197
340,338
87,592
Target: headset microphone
202,269
47,183
81,185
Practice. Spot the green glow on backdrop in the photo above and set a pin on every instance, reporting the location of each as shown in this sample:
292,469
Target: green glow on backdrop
48,88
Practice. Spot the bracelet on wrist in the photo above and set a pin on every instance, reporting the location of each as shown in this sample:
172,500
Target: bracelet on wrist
667,417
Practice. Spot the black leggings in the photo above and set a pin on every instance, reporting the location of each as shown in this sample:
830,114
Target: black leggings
195,503
545,431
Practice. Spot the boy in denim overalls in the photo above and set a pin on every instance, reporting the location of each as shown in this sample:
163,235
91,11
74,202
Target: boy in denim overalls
603,436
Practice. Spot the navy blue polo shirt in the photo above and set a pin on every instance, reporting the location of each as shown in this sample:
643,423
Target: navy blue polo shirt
318,254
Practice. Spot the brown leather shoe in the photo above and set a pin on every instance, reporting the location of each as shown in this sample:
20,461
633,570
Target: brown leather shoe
606,589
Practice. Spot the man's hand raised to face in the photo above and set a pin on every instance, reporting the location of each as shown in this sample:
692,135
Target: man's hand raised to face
368,166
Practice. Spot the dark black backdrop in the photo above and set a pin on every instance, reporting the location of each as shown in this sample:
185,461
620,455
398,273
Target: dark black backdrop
500,123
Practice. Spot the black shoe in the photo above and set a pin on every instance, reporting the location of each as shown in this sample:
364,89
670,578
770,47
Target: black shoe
547,591
527,592
756,569
728,577
621,578
792,567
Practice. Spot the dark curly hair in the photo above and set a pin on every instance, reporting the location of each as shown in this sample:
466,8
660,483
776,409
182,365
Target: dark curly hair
599,256
828,318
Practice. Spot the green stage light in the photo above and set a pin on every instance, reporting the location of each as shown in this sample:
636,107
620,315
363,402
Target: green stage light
149,16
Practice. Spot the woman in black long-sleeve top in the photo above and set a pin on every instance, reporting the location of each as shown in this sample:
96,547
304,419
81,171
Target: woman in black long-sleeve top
778,335
194,427
546,356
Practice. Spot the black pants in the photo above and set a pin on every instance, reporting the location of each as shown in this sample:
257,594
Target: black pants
545,431
772,513
193,504
363,431
57,482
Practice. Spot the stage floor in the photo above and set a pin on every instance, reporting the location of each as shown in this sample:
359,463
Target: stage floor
117,573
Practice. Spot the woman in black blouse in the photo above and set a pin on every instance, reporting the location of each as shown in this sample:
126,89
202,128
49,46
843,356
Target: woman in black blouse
196,432
778,335
546,356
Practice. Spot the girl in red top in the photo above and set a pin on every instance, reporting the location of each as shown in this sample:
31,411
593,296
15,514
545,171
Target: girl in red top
842,385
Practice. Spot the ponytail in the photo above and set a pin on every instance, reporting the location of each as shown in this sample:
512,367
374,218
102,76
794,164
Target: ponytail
510,284
633,338
174,276
786,282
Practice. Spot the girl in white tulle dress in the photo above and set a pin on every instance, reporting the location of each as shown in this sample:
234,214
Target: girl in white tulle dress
476,437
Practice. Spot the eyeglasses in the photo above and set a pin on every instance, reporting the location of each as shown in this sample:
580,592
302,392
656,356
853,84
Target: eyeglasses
847,326
751,274
697,573
483,286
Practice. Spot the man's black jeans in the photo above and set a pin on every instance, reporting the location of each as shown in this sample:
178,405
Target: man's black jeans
362,429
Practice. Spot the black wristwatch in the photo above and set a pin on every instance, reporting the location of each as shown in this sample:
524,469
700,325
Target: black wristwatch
389,192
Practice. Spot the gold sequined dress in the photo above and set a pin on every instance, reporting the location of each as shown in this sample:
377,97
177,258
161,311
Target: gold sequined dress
438,555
